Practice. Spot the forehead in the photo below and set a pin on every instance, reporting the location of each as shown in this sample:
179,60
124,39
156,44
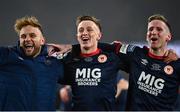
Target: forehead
29,29
87,23
157,23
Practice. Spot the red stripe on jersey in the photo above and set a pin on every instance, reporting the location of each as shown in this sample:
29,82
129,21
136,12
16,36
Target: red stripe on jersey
155,56
90,54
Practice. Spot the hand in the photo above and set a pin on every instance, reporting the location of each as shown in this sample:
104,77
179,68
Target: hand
64,94
59,48
117,42
170,55
121,85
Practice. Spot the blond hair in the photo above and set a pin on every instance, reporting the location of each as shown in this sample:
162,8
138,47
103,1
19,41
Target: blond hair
25,21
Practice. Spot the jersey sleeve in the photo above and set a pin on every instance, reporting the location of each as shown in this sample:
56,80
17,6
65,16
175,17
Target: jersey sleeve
66,62
110,47
126,55
178,68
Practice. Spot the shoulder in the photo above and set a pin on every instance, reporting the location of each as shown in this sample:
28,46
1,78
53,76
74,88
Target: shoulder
114,47
8,49
129,48
7,52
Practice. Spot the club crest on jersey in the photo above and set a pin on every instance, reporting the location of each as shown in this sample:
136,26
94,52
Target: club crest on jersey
102,58
168,69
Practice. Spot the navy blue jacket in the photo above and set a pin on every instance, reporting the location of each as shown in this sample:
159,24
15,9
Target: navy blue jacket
28,83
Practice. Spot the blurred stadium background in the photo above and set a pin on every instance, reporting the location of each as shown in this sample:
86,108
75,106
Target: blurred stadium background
123,20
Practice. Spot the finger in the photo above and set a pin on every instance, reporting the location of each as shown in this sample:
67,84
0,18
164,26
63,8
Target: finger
56,46
166,53
50,50
167,61
116,42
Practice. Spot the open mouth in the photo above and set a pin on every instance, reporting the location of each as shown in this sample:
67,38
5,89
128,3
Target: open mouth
85,39
154,39
28,47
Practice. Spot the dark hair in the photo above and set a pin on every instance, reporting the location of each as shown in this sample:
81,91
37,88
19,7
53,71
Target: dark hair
91,18
161,18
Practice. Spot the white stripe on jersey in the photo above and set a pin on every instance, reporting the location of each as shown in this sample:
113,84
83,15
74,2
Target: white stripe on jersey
123,48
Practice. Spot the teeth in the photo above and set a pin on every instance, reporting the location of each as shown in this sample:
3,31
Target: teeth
28,46
85,38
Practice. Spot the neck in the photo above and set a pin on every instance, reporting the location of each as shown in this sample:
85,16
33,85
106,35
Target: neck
97,51
38,52
87,50
158,52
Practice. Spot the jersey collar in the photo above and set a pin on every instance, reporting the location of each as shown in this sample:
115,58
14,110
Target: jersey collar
90,54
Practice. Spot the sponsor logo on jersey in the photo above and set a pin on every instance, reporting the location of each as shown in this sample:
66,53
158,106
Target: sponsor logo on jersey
76,59
155,67
88,76
150,84
102,58
168,69
88,59
144,61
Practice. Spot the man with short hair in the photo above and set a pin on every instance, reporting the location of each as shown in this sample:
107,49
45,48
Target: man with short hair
90,71
28,76
153,84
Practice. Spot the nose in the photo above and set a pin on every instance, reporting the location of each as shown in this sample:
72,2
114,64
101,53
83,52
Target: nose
28,38
85,32
154,32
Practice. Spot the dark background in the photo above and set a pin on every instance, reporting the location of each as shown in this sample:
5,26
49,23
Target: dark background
124,20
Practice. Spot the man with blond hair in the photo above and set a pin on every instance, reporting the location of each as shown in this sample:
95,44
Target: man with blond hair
27,75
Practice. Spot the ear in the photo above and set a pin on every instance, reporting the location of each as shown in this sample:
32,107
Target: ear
42,41
147,38
169,37
99,35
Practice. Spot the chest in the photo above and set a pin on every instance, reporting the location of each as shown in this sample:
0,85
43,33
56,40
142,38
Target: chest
40,67
100,68
152,75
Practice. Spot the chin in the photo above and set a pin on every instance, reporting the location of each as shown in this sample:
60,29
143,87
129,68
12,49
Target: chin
154,48
29,53
84,45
